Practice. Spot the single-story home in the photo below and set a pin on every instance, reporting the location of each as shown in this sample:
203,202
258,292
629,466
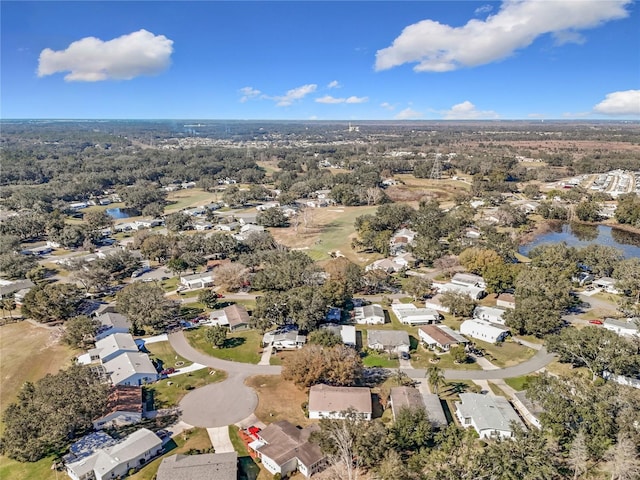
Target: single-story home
131,368
284,448
607,284
346,332
435,303
490,416
384,264
476,293
124,407
9,288
267,206
110,323
469,280
332,402
410,397
506,300
489,314
369,315
197,280
622,326
113,345
227,227
284,339
405,260
440,336
409,314
205,466
37,251
393,341
202,226
529,410
234,316
484,331
104,458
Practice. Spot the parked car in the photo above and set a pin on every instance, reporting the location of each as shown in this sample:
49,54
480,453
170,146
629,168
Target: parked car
404,356
596,322
168,371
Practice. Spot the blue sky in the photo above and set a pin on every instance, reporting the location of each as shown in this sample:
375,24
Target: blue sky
329,60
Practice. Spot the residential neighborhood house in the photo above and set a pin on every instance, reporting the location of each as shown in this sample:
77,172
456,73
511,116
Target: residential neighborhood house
369,315
440,336
332,402
409,314
206,466
410,397
110,323
392,341
124,407
489,314
102,458
484,331
627,327
283,339
284,448
234,316
347,333
197,280
490,416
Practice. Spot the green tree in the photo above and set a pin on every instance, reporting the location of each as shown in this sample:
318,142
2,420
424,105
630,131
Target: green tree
97,219
15,265
588,211
411,430
51,412
628,210
272,217
52,302
146,306
80,331
177,222
418,286
627,272
208,298
435,378
216,335
459,304
325,337
313,364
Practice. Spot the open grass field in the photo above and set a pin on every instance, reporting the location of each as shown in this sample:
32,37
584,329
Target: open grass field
240,346
169,391
413,189
28,353
278,400
330,230
420,359
196,438
192,197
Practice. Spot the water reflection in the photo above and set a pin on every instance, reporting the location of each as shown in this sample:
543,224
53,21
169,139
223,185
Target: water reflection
584,233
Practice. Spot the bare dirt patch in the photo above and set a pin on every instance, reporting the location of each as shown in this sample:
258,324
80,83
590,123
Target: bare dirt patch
278,400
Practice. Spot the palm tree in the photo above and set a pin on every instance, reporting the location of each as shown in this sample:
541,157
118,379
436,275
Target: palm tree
435,377
9,304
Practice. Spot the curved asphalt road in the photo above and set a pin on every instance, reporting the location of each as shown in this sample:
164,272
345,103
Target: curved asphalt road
230,401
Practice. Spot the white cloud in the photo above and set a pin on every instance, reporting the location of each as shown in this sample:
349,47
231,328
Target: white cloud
576,114
483,9
387,106
568,36
334,84
626,102
91,59
295,94
333,100
248,93
436,47
467,111
408,114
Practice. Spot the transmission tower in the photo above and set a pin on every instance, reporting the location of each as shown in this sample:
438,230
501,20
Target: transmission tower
436,170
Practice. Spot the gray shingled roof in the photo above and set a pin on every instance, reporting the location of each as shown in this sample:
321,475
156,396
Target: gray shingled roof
208,466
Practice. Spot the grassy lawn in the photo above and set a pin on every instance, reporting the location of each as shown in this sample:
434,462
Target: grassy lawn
191,197
196,438
40,470
28,353
240,346
421,357
164,353
169,391
380,360
248,468
330,229
505,354
519,383
278,400
171,284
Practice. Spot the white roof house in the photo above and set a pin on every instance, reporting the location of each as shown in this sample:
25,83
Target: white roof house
197,280
369,314
284,339
529,410
435,304
469,280
484,331
490,416
607,284
489,314
622,326
111,346
391,340
110,323
131,368
384,264
409,314
330,402
346,332
476,293
111,460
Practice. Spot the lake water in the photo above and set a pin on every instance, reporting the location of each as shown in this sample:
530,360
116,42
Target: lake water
117,213
582,235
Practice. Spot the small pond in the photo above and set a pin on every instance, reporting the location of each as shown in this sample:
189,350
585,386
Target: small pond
117,213
578,235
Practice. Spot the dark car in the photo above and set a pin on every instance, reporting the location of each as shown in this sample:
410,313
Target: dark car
404,356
